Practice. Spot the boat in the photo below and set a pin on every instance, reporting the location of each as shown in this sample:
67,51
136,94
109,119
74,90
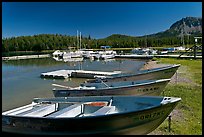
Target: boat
165,72
95,55
69,59
108,54
72,54
79,59
89,115
57,53
100,88
57,58
143,51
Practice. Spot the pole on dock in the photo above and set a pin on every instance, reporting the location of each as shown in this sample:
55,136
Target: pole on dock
80,40
169,119
194,51
176,76
194,48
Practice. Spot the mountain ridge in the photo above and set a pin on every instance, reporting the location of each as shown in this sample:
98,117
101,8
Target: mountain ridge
185,26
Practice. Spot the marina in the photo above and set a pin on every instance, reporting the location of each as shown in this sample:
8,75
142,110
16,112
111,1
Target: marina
102,68
43,110
97,86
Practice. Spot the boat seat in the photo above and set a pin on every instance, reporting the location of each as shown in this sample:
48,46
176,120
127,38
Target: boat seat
18,110
71,111
39,111
104,110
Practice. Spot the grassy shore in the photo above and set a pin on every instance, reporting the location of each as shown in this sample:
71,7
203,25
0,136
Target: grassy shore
187,116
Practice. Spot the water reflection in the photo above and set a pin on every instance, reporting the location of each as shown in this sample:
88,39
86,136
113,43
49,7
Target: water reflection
21,80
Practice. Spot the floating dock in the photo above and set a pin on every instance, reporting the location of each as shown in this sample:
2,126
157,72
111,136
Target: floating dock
77,73
26,57
178,56
134,56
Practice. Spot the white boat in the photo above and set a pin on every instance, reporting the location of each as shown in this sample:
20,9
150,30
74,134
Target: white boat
57,53
100,88
69,59
95,55
89,115
108,54
78,59
71,54
86,53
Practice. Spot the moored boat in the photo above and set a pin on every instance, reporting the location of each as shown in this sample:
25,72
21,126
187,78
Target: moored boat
89,115
165,72
100,88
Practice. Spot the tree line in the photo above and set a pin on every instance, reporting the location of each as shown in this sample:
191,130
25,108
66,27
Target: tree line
63,42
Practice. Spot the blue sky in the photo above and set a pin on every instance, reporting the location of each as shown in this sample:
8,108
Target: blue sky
97,19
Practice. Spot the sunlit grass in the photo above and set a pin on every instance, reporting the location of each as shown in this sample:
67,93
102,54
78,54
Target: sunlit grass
187,116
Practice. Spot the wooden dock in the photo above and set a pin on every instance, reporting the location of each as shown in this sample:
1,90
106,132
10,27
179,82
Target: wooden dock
26,57
134,56
178,56
77,73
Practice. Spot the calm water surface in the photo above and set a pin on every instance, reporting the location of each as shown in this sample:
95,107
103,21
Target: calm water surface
21,80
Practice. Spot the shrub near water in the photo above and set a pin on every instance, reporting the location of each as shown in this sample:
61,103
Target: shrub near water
187,116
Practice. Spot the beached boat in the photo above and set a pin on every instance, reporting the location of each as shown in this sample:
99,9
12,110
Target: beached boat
165,72
89,115
100,88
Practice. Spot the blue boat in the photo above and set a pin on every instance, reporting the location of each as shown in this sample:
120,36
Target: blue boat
89,115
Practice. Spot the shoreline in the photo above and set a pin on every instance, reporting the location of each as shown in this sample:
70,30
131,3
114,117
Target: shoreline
176,78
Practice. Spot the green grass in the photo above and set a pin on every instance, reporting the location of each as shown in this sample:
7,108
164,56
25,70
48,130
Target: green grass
187,116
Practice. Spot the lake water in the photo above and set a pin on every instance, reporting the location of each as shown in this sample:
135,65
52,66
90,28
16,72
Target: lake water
21,80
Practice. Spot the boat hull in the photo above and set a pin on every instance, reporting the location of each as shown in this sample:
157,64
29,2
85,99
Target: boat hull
148,89
138,122
164,73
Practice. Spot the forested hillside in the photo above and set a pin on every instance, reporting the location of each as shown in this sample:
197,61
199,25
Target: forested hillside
181,32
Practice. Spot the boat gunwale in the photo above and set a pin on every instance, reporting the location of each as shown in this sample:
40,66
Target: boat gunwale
142,72
175,100
118,87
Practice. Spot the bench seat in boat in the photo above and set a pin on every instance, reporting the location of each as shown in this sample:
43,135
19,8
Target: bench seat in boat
18,110
104,110
39,111
71,111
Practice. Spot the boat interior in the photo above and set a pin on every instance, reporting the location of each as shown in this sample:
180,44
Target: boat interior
63,110
66,108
